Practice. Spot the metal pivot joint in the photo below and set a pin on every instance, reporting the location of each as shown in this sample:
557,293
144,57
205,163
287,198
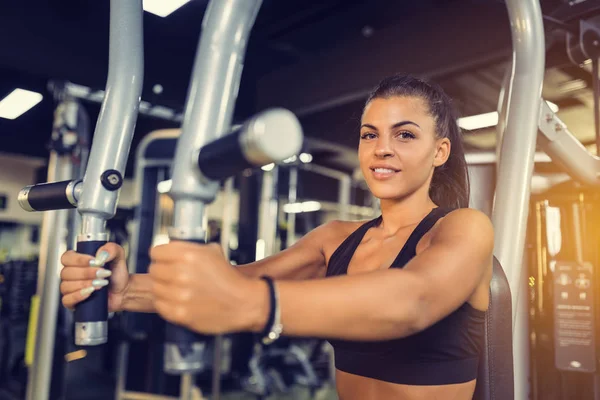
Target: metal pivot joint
111,180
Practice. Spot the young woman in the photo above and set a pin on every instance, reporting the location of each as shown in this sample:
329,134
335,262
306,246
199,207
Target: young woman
402,297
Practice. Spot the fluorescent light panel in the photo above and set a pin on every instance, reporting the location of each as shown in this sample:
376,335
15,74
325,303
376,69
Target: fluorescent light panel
163,8
306,206
479,121
488,120
18,102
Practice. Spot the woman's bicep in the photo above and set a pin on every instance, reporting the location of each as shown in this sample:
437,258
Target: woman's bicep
449,271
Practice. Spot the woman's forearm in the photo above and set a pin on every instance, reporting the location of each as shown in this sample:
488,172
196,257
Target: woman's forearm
138,295
375,306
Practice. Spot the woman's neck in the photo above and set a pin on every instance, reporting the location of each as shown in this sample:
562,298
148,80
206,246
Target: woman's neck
398,214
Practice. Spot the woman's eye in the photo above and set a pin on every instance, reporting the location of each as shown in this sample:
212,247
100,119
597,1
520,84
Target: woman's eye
367,136
405,135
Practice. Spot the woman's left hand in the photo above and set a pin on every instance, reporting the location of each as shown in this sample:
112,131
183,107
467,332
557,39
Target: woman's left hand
195,286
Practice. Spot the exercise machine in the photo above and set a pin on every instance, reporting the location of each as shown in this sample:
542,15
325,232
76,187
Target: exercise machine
208,151
68,157
95,196
528,118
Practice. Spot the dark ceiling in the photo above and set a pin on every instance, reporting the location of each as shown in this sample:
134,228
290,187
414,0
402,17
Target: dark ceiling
318,58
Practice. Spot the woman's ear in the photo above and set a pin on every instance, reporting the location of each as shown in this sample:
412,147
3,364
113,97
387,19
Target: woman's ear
442,152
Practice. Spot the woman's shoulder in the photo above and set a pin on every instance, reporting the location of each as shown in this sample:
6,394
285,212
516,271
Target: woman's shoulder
468,223
457,218
460,222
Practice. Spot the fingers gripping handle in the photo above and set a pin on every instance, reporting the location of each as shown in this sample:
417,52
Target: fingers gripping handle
185,351
91,315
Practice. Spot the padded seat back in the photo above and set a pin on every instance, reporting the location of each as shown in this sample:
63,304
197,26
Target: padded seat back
495,377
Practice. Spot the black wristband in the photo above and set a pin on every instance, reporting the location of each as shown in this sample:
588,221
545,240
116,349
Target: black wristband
272,306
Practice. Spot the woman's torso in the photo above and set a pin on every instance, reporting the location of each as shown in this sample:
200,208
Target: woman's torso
376,251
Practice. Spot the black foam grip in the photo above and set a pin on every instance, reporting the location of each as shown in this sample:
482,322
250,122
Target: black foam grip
183,337
49,196
95,307
223,158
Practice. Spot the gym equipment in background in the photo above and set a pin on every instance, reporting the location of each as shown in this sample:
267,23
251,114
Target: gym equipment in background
95,197
68,157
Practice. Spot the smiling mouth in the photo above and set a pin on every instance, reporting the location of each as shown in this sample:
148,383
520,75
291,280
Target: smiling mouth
384,170
383,173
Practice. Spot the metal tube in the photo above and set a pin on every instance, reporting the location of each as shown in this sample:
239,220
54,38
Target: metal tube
516,163
226,230
54,241
267,215
565,149
118,114
292,198
77,116
122,357
185,387
503,101
209,108
110,149
518,147
344,194
54,233
141,163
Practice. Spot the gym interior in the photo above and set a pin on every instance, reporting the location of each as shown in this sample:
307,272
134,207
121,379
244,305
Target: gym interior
267,95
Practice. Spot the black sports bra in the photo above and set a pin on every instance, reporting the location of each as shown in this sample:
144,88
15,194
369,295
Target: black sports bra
444,353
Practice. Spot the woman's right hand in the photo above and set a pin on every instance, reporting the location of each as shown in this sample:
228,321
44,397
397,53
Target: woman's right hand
83,274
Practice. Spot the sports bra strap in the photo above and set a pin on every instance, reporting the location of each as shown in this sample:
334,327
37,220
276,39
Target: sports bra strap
409,250
338,262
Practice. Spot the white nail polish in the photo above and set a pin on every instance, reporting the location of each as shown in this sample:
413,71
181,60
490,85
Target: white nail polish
102,257
87,291
103,273
98,283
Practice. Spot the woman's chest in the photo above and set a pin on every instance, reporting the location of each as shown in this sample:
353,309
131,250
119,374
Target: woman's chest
380,252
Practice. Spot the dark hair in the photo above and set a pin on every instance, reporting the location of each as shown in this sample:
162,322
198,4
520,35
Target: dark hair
450,182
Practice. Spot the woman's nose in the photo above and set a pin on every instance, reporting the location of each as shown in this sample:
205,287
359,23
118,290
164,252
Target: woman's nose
383,148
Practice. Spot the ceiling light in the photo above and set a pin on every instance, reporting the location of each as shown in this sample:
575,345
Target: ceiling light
479,121
18,102
268,167
163,187
163,8
306,206
306,158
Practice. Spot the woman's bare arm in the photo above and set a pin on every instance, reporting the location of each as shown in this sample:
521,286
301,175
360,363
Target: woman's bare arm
304,260
392,303
137,297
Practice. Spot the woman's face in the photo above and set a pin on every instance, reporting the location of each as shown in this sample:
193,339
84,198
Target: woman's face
398,148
